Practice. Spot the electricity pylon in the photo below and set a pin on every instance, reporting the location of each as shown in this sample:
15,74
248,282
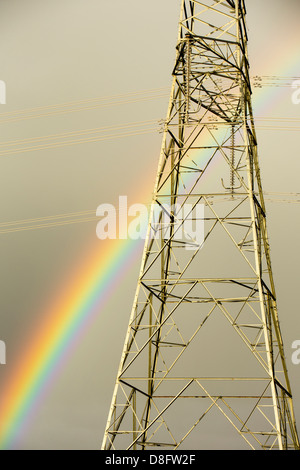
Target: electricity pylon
203,364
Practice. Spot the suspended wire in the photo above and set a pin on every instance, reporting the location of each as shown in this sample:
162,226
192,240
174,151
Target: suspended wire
260,81
79,132
56,109
74,103
84,216
284,119
134,129
54,224
281,194
43,219
119,99
278,128
284,201
74,133
124,126
80,141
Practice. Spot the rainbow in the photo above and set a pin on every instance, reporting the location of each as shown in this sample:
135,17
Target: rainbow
66,320
285,62
79,302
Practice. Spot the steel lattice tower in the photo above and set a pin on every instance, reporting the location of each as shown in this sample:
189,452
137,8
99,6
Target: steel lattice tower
203,348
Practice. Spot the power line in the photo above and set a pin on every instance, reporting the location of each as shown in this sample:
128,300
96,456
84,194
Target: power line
79,141
260,81
74,133
124,126
137,129
71,108
84,216
88,100
121,99
49,225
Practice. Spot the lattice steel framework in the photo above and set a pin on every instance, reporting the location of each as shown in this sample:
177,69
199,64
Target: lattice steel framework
203,355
